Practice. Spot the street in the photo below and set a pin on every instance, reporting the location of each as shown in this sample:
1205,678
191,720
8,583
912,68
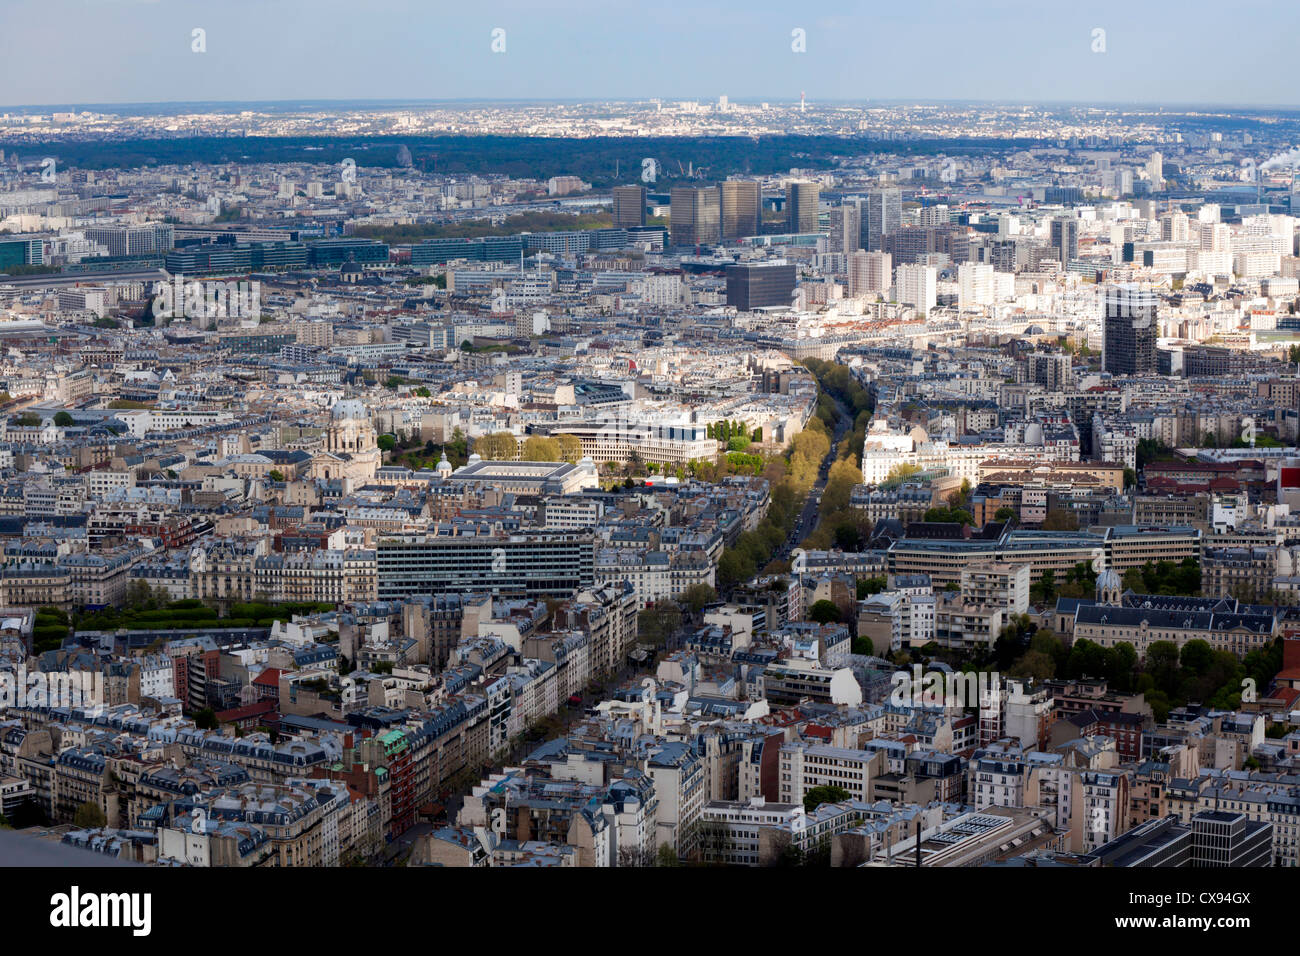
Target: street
808,516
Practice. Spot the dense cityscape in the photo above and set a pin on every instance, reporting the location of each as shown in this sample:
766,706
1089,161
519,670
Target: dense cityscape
649,483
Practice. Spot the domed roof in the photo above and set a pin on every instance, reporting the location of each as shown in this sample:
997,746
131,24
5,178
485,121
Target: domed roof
1109,580
348,408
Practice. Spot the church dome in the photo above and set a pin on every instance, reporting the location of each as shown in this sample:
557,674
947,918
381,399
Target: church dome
1109,585
348,409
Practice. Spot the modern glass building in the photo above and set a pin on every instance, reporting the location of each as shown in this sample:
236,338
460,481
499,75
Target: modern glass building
485,249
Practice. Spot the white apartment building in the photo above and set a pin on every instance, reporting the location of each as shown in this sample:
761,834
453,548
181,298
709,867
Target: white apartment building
917,285
975,285
805,766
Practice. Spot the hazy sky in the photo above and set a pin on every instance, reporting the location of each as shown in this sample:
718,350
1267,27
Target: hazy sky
1156,51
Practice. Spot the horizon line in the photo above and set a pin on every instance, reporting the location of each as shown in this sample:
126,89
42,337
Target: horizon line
592,100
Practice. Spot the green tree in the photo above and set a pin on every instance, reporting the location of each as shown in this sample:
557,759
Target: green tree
1006,513
824,612
1196,657
498,446
63,419
738,442
1162,664
386,442
275,475
1087,659
697,596
1034,665
950,514
206,719
659,622
870,586
570,448
89,816
540,448
1058,519
815,797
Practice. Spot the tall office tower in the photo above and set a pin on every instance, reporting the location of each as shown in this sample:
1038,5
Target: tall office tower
1129,341
975,287
1156,171
629,206
694,216
870,273
741,206
757,287
884,214
917,286
846,229
1065,240
801,203
1174,227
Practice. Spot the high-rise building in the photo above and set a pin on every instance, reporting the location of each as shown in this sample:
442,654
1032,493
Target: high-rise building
629,206
870,273
694,215
742,203
884,214
1065,239
975,287
761,286
1175,227
1156,171
801,205
917,285
1129,342
846,229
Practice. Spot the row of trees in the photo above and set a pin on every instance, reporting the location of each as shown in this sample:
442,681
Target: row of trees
790,478
838,524
1079,582
1165,577
657,623
503,446
726,430
1169,677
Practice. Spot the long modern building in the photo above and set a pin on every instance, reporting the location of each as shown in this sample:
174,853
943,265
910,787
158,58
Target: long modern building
615,440
486,249
530,565
1213,838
